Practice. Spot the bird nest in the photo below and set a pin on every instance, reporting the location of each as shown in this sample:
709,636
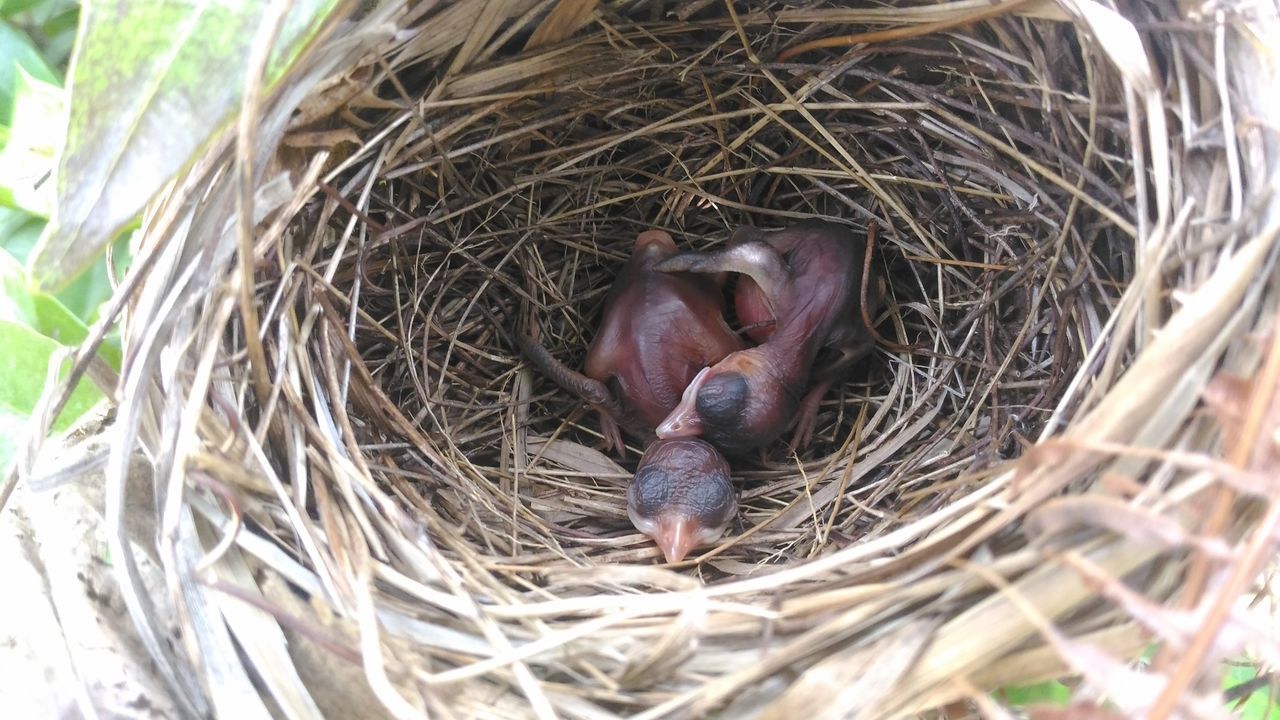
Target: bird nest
386,507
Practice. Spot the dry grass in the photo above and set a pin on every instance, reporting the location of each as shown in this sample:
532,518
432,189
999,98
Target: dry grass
972,505
519,211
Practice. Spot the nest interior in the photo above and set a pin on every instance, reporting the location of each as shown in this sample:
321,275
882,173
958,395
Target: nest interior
447,511
1003,250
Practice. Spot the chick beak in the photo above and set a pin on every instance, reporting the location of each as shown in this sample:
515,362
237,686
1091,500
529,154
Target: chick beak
683,421
676,536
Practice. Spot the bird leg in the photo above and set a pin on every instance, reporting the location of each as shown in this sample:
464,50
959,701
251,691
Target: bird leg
807,412
596,393
589,389
807,415
612,433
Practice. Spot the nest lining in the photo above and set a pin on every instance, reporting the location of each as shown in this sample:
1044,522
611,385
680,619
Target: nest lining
412,478
521,213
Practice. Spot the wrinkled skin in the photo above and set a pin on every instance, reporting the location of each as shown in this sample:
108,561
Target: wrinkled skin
808,279
681,495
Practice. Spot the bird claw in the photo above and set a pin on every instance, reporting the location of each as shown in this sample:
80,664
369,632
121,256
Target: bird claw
807,416
805,425
612,436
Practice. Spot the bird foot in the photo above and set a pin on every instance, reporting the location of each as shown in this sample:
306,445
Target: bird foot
612,435
807,416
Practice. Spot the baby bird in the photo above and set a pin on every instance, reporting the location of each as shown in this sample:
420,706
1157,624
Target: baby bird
808,279
659,329
681,495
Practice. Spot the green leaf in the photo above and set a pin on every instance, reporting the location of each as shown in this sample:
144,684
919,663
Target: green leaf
153,81
1259,705
16,7
1045,693
17,51
60,24
84,297
34,325
1148,655
42,313
49,24
35,310
19,232
12,425
26,163
91,289
23,367
86,294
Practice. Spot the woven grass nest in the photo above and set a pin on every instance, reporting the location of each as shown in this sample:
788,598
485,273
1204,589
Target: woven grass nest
368,503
